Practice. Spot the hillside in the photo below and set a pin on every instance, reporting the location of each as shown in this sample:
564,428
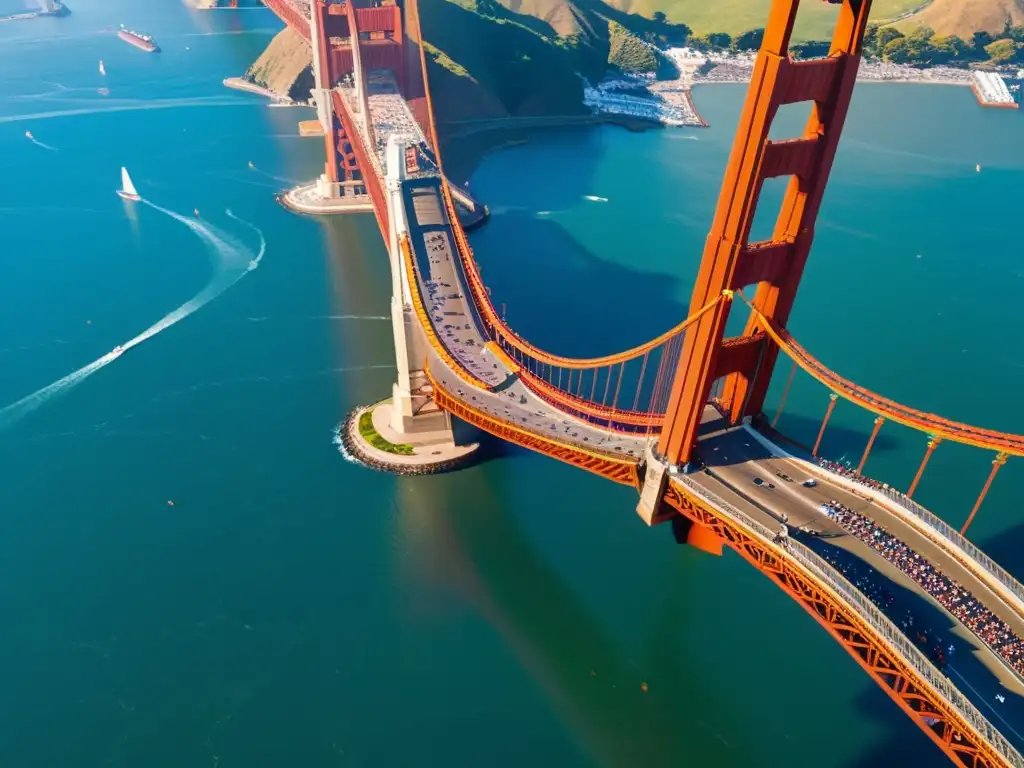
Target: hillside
815,22
964,17
498,58
285,66
562,16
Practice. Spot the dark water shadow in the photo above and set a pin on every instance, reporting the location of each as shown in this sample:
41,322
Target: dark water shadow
962,667
556,638
555,305
853,439
1007,549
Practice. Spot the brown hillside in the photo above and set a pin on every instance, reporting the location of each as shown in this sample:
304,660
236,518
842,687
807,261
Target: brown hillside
964,17
563,16
284,67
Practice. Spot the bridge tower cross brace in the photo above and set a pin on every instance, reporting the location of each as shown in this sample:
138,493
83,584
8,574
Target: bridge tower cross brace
730,261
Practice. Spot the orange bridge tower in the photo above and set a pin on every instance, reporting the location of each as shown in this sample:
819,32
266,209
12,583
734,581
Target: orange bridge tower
730,260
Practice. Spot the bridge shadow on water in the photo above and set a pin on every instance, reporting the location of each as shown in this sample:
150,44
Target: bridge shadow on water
933,631
1007,549
798,440
584,670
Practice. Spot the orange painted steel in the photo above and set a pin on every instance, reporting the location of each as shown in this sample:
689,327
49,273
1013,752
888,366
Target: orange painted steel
824,423
900,681
997,462
616,416
879,420
933,443
412,24
583,363
290,16
922,421
785,395
730,260
368,170
609,466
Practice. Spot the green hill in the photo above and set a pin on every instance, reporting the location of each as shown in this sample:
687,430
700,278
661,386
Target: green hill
815,22
527,64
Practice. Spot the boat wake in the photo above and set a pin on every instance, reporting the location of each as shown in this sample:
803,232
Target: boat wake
282,179
595,199
39,143
137,106
253,263
232,262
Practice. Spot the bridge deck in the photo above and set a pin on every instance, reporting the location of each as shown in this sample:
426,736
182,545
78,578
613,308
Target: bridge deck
734,458
451,310
389,114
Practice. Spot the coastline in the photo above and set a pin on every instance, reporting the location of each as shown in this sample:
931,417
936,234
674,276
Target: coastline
464,148
241,84
469,142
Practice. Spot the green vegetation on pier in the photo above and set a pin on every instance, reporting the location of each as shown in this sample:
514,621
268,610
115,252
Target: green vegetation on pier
374,438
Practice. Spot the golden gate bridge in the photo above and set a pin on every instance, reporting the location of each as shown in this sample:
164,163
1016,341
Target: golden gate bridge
680,417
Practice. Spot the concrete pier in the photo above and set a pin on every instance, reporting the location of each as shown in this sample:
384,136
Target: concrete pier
419,433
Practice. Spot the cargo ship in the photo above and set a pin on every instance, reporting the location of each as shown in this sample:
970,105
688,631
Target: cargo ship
139,40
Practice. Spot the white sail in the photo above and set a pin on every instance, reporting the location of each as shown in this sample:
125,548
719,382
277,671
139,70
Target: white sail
126,183
103,70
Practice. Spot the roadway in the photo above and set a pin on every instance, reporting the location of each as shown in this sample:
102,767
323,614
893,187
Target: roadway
734,459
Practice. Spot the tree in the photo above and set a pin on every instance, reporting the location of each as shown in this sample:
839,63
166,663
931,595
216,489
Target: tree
897,51
980,40
871,40
749,40
1003,51
1016,34
712,40
659,17
885,36
810,49
950,48
627,52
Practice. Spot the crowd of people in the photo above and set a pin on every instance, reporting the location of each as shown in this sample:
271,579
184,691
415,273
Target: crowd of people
851,474
951,595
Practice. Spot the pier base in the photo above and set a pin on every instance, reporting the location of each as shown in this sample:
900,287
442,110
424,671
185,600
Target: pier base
423,444
322,198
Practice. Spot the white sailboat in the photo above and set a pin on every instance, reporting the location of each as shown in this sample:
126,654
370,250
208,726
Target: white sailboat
103,70
127,190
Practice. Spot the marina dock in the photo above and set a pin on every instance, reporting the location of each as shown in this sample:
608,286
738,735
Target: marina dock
991,91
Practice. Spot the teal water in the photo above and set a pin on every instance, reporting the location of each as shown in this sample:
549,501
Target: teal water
291,608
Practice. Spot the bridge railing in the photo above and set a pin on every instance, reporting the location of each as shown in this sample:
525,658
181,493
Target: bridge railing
872,616
951,534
